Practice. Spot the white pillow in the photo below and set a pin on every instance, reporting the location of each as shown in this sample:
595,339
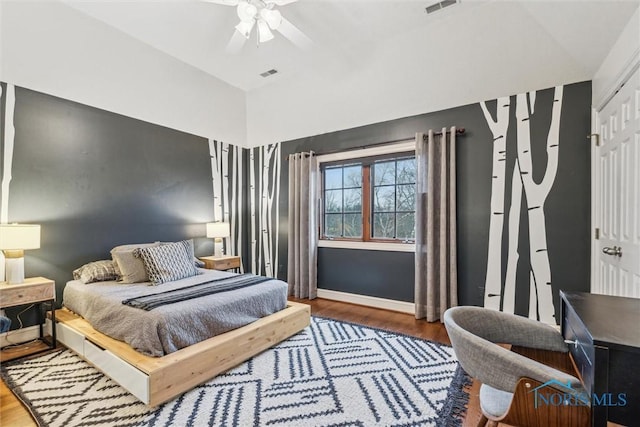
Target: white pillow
130,268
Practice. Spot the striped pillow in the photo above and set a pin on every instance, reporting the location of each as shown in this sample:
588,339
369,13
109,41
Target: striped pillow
168,262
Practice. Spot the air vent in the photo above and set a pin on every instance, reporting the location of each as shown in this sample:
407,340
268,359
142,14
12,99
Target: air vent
440,5
269,72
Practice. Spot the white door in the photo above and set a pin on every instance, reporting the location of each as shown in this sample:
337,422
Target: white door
617,193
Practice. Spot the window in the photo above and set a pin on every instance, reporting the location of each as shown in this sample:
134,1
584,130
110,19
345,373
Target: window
370,200
343,201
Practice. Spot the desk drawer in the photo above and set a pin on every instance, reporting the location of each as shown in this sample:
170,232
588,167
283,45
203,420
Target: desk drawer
582,349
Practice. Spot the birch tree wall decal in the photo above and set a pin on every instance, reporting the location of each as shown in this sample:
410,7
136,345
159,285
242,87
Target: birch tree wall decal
9,96
228,192
509,293
500,297
225,182
216,179
264,225
541,298
236,216
252,210
493,280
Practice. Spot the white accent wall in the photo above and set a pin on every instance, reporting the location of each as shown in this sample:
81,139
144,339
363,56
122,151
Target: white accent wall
400,82
55,49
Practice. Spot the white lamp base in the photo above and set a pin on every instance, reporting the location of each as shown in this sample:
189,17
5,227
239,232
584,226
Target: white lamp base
217,247
14,270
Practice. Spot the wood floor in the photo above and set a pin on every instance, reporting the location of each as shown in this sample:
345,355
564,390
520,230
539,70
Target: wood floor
12,413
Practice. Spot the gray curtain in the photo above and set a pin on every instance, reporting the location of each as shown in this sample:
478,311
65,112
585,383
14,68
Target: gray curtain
303,226
436,267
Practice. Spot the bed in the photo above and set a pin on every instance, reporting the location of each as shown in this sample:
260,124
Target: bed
163,352
170,327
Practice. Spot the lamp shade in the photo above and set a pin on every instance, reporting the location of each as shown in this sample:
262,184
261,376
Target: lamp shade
245,27
218,229
271,17
246,11
264,33
19,236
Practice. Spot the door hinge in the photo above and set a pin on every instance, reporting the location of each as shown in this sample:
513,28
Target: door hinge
597,136
597,234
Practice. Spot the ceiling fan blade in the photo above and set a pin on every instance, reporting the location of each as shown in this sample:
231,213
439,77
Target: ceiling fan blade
280,2
294,35
235,43
224,2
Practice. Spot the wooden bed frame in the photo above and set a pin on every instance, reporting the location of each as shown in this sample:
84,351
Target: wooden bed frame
155,380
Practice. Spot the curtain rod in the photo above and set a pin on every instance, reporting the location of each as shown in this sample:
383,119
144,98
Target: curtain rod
459,131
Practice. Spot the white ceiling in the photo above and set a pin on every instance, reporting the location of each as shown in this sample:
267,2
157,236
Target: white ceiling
346,33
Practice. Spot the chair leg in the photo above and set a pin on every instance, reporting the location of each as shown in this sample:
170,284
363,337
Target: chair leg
483,421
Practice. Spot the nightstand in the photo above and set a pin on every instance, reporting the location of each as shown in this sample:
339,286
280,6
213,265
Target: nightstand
225,262
34,290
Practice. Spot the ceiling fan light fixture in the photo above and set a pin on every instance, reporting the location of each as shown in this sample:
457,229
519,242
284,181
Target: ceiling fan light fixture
271,17
264,33
245,27
246,11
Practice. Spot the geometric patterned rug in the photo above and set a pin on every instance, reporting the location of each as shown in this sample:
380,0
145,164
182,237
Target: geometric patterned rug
330,374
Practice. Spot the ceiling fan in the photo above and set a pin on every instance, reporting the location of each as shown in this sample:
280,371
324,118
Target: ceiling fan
262,13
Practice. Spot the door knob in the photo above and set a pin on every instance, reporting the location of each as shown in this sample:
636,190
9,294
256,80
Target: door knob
614,251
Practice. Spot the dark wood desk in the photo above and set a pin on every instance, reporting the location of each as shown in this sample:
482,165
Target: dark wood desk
604,332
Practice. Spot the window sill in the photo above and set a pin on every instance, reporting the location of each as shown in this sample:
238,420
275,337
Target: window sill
368,246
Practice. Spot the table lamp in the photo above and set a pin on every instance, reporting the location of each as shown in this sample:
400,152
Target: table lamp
218,230
14,240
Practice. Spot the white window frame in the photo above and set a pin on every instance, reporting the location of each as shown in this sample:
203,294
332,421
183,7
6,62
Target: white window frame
399,147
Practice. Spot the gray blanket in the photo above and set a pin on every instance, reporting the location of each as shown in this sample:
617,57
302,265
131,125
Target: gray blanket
215,286
172,327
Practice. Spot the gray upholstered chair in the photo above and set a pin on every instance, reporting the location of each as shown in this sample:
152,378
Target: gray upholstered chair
510,380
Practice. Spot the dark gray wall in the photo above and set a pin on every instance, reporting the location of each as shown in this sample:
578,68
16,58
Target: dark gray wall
393,281
474,157
567,207
95,179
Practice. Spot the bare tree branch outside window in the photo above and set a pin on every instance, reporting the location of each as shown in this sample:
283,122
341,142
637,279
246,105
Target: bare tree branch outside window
391,190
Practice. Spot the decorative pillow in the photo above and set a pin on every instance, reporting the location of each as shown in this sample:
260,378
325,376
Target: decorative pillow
97,271
129,268
196,261
168,262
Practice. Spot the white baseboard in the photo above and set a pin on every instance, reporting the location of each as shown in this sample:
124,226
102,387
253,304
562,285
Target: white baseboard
387,304
19,336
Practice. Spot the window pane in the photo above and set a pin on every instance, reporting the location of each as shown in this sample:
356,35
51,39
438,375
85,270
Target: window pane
353,200
384,199
384,173
383,225
406,195
333,225
333,201
406,223
332,178
406,171
353,225
352,176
